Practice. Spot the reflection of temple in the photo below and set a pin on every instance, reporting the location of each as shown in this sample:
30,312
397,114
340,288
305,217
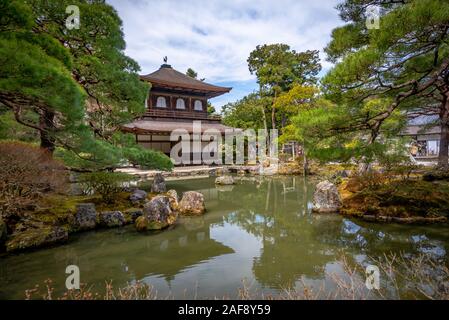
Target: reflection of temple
192,242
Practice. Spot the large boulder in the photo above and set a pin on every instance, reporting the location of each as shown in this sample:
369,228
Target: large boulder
138,196
85,217
224,180
158,185
326,198
157,214
192,204
36,237
111,219
2,232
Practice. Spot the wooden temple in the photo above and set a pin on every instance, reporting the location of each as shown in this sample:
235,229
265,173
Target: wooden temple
175,101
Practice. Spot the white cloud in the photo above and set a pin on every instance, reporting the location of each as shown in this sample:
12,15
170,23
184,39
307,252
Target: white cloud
215,38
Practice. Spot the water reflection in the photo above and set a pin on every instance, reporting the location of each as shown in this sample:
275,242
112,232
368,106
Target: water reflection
260,229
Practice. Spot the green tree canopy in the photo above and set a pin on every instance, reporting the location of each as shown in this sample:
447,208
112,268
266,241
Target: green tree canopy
75,87
278,68
405,64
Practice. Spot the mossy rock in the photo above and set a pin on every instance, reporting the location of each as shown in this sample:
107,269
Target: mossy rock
35,238
400,200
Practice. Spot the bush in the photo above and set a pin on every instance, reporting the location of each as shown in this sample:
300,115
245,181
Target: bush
26,173
106,184
147,158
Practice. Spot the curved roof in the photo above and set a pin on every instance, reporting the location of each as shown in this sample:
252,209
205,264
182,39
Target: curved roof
168,77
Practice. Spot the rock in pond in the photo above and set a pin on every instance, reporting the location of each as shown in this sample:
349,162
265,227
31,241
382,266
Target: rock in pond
173,196
132,214
158,185
224,180
85,217
111,219
157,214
34,238
192,204
326,198
138,196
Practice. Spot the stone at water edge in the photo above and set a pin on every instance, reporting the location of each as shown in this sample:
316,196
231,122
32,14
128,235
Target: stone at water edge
138,195
157,214
36,237
192,204
85,216
158,185
111,219
141,224
326,198
173,196
225,180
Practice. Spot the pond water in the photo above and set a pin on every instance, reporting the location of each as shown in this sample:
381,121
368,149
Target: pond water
259,231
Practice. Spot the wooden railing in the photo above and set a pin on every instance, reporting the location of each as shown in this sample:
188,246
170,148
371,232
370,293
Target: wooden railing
181,114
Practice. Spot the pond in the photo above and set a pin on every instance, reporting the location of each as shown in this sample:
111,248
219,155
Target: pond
260,231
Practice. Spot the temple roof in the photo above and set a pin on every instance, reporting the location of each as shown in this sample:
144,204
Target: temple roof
167,126
167,77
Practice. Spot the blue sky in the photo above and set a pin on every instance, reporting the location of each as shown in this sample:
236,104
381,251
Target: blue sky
215,38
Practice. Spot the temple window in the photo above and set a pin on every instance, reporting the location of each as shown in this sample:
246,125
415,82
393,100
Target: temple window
161,102
198,105
180,104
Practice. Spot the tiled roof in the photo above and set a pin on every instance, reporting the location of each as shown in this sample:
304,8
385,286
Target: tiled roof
167,76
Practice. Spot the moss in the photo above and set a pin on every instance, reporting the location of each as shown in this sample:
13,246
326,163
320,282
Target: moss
401,199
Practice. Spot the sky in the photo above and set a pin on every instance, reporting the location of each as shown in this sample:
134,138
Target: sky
215,37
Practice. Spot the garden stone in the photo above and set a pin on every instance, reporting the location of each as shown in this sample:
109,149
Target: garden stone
224,180
157,214
326,198
158,184
37,237
192,203
173,196
111,219
85,216
138,195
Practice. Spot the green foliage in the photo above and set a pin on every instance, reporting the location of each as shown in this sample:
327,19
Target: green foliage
74,88
246,113
147,158
191,73
106,184
277,67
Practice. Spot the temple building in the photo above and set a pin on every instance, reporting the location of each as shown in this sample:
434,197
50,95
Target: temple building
175,101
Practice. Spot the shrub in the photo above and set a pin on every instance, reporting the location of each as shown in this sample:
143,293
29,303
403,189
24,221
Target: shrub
106,184
26,173
147,158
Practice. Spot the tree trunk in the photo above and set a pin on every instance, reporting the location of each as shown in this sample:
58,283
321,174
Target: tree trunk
46,123
443,156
